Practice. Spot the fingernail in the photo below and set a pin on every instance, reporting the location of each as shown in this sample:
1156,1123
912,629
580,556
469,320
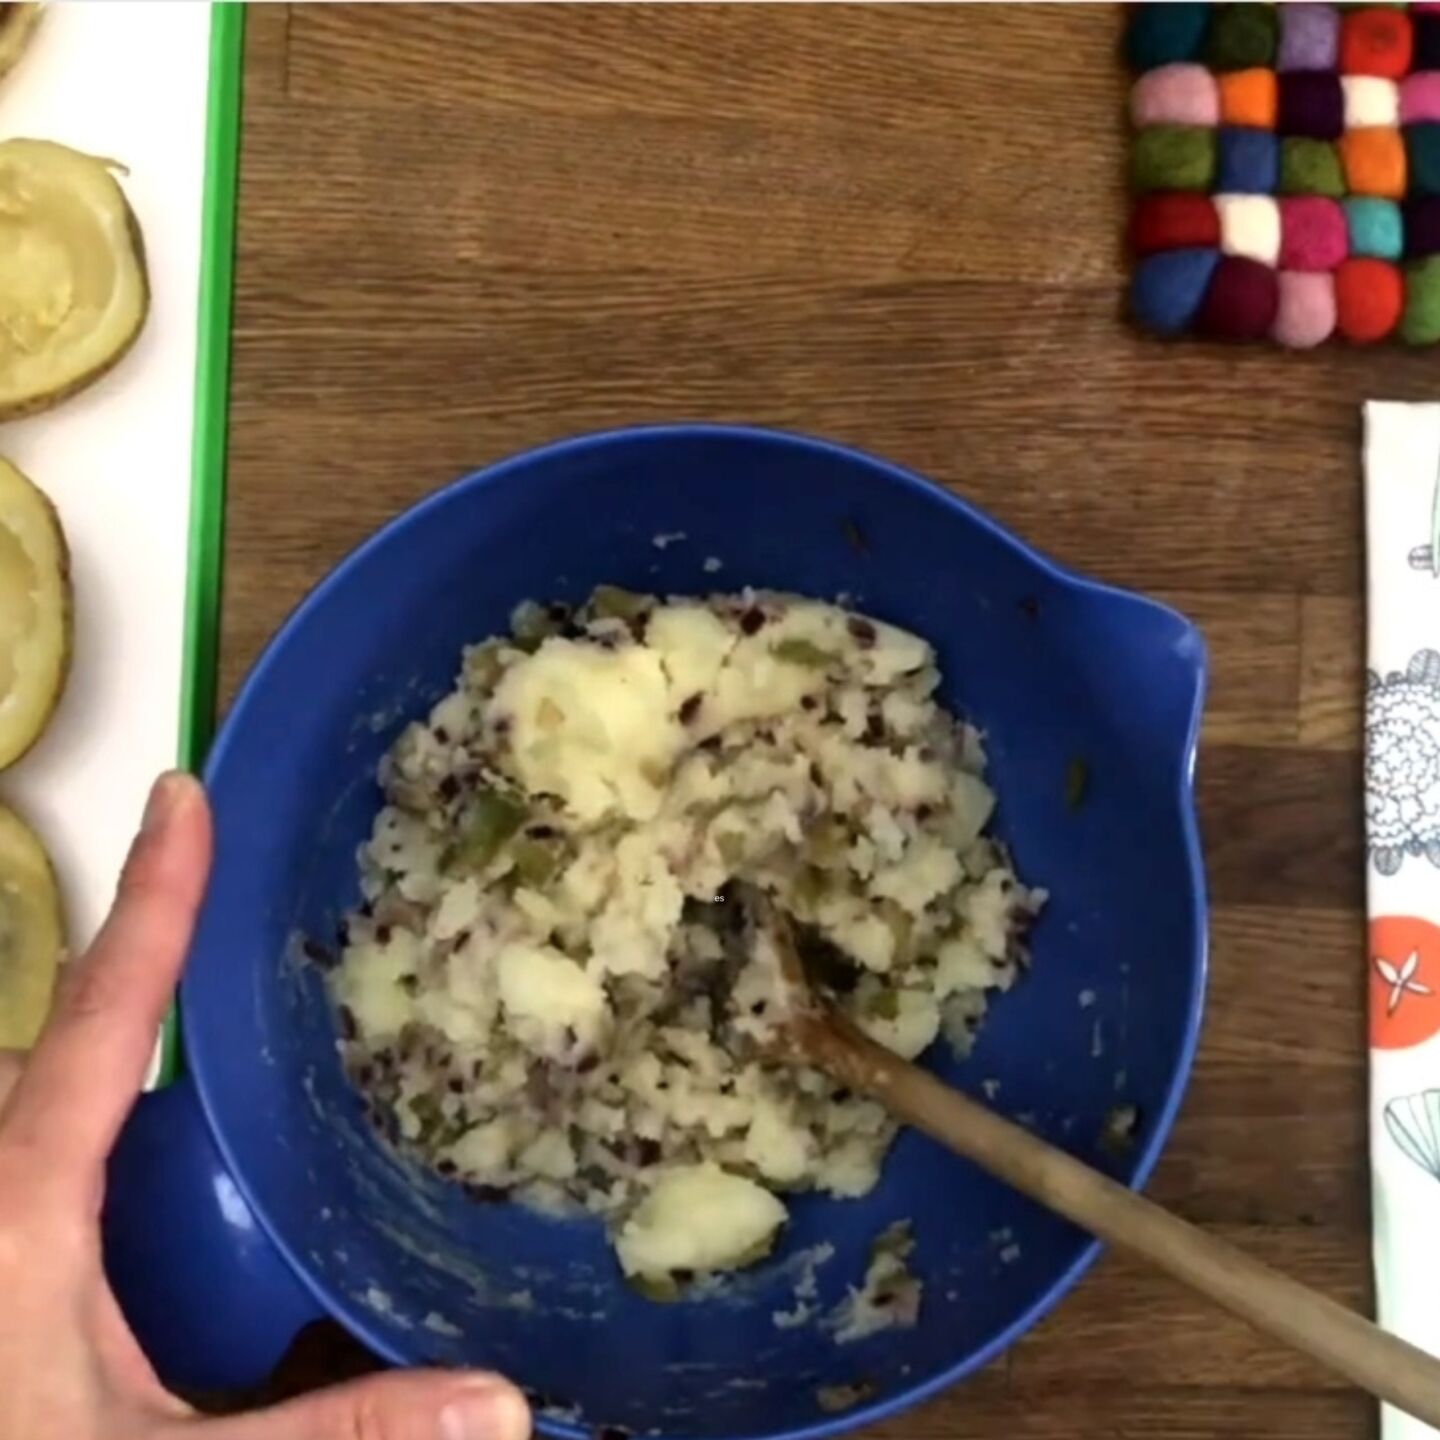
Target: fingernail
164,794
489,1412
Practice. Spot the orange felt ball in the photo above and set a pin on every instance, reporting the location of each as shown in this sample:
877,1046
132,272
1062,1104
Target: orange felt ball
1249,98
1369,296
1374,162
1376,42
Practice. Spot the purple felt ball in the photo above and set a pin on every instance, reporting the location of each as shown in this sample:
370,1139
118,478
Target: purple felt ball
1422,227
1311,105
1309,37
1241,302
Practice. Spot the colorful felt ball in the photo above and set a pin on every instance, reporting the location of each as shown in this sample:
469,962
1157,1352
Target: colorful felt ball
1166,290
1375,227
1310,104
1369,101
1241,35
1313,235
1420,97
1421,322
1241,301
1422,227
1427,42
1375,41
1369,297
1310,167
1250,98
1305,309
1164,34
1175,95
1422,151
1375,162
1247,162
1249,227
1309,37
1173,157
1174,220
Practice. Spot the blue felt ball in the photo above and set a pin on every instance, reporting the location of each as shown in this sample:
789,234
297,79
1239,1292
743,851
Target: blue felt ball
1166,289
1247,162
1166,34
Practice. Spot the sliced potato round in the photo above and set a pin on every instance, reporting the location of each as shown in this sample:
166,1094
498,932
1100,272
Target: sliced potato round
17,24
32,934
34,613
73,289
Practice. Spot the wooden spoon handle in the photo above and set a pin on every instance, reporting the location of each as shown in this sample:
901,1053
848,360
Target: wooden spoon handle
1352,1346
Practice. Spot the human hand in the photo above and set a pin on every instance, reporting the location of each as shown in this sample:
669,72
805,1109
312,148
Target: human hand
69,1367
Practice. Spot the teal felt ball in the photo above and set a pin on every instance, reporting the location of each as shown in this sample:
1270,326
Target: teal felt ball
1375,227
1166,34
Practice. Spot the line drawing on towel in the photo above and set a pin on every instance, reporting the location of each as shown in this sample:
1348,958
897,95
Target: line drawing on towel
1402,763
1401,980
1427,557
1414,1125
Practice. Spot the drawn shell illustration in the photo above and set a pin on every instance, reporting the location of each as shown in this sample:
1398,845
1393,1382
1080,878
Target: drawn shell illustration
1402,763
1414,1125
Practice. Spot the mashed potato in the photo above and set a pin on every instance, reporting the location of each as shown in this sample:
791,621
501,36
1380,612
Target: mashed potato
545,992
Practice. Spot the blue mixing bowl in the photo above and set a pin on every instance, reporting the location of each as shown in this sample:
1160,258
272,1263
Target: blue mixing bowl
252,1197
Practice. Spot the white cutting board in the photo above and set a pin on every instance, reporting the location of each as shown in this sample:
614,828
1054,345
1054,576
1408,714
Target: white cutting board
127,81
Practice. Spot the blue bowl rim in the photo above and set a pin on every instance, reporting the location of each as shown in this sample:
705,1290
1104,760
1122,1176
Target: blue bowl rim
498,472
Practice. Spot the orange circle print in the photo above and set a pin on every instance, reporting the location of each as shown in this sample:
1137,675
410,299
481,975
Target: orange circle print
1404,981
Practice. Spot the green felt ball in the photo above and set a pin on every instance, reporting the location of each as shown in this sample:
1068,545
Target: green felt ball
1173,157
1422,158
1165,34
1242,37
1375,227
1420,324
1310,167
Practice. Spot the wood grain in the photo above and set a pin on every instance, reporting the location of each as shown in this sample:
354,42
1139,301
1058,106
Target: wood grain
468,229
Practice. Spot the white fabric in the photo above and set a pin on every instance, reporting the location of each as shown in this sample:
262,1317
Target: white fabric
1402,490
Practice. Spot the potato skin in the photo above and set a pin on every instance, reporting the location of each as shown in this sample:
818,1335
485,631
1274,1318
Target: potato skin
16,749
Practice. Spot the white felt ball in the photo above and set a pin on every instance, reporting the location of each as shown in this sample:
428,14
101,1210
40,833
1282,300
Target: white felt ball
1369,101
1249,226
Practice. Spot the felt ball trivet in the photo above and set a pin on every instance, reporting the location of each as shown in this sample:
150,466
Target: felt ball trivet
1286,168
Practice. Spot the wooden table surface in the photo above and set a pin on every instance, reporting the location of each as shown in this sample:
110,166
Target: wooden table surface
464,231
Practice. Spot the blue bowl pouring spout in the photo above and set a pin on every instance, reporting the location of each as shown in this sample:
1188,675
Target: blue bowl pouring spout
252,1197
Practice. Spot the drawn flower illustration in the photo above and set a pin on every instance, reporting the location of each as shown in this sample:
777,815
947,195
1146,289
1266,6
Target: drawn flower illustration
1402,763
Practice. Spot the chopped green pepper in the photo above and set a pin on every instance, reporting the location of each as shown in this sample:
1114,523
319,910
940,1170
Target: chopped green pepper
493,818
1077,783
884,1005
535,861
610,602
799,651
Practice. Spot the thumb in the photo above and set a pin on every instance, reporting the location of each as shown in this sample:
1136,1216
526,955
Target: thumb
403,1405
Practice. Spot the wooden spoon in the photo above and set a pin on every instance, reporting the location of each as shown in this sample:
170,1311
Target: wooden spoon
812,1032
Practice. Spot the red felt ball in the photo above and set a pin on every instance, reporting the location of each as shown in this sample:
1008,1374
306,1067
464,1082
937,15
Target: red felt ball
1174,220
1369,297
1241,301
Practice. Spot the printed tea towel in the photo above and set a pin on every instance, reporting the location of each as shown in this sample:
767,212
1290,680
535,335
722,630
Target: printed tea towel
1402,824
